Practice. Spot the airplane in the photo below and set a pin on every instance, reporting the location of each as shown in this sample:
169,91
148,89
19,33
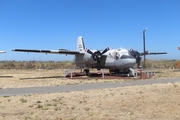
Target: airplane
1,52
118,60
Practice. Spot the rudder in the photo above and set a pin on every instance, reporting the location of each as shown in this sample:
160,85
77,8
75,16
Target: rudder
80,44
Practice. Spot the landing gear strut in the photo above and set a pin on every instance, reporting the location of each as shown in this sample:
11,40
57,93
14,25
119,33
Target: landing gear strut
131,72
122,72
86,72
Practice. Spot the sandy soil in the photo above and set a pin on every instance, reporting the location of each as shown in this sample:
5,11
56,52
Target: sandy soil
159,101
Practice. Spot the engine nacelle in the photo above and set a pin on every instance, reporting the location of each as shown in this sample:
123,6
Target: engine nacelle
85,60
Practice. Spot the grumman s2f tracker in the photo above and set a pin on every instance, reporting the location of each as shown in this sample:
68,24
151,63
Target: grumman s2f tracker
118,61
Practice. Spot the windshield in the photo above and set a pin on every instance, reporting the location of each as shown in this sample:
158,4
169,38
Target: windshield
121,52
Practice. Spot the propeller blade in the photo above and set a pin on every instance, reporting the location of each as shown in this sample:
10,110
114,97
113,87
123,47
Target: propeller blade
136,55
97,56
90,52
130,49
138,61
105,50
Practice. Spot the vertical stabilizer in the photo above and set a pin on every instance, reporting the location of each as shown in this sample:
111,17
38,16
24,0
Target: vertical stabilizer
80,44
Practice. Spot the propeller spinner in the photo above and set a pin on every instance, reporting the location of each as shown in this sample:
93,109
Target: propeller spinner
97,56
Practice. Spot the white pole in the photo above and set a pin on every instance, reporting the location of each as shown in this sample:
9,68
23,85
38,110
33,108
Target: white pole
65,73
71,74
102,74
148,74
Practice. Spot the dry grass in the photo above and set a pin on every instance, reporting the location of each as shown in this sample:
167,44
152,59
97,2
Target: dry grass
159,101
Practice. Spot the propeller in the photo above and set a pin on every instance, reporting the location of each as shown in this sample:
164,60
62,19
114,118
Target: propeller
136,55
97,56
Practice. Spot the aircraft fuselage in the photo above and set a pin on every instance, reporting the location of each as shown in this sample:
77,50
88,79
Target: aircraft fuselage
112,59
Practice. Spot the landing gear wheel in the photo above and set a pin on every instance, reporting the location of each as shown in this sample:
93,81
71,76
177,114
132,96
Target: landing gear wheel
111,71
86,72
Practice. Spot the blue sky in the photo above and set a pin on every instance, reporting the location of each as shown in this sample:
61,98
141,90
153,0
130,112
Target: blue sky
54,24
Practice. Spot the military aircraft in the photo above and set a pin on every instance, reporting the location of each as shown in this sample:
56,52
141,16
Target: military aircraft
116,60
1,52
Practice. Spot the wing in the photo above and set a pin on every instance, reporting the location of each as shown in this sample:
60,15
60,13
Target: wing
2,52
153,53
61,51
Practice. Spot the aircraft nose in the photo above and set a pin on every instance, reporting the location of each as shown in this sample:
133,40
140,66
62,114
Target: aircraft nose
129,60
132,60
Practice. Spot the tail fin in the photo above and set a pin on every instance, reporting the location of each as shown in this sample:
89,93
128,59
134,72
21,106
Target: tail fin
80,44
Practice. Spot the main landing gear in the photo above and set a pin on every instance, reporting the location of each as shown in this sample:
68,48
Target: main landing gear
122,72
86,72
129,72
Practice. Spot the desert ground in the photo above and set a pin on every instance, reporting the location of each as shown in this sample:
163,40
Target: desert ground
157,101
33,78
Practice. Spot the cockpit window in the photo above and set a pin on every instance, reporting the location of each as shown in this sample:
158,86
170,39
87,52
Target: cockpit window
121,52
119,49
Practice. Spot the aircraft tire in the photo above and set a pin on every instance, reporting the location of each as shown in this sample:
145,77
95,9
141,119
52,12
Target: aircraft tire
86,72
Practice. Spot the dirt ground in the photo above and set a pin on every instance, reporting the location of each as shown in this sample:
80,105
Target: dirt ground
33,78
158,101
